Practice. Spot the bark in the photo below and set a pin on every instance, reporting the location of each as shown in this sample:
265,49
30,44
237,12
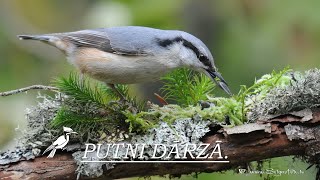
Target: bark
291,134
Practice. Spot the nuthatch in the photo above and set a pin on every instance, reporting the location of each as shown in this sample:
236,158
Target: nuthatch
132,54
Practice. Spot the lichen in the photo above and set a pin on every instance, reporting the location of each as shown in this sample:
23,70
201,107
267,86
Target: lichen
181,132
36,136
39,134
218,110
170,124
303,92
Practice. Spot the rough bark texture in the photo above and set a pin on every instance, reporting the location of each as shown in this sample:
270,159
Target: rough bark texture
281,136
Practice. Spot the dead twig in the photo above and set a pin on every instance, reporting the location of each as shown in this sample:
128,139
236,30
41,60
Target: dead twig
41,87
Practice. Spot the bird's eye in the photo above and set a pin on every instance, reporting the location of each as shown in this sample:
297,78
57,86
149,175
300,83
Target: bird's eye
204,59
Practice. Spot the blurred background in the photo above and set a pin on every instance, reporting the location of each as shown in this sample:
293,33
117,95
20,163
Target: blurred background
248,38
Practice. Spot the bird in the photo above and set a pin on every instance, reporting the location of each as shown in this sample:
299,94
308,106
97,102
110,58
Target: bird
132,54
60,143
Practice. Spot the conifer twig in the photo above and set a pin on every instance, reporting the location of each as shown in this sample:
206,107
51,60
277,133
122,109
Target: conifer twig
16,91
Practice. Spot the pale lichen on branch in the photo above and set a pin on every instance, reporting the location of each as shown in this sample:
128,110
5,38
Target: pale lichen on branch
33,87
93,111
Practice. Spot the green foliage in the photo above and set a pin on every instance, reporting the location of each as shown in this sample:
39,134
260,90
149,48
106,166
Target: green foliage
224,108
86,91
66,117
137,122
91,105
186,87
248,95
124,89
83,90
89,122
232,108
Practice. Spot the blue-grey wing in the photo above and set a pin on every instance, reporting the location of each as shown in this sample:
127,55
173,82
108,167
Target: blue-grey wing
119,40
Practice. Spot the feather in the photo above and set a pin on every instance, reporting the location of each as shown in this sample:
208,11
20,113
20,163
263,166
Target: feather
98,40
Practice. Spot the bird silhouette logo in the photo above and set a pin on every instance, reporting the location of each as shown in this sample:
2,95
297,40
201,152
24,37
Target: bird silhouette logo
60,143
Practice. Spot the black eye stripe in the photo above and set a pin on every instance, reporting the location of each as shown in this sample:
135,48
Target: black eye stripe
167,42
187,44
205,60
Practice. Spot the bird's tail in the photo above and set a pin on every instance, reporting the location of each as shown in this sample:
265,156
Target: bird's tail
51,153
45,38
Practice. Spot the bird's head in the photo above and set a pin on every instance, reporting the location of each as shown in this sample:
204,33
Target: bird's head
193,53
68,130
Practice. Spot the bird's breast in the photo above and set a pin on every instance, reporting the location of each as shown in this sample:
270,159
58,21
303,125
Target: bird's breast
121,69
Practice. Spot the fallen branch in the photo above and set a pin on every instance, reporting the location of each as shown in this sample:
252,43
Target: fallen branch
277,129
284,136
41,87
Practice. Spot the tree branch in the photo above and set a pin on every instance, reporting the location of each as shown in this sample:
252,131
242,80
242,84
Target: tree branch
16,91
288,135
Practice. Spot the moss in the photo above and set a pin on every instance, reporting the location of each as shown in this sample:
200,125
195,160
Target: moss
186,87
302,92
228,111
98,120
218,111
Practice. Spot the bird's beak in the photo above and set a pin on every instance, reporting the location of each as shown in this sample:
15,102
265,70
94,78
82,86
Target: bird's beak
74,132
220,82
